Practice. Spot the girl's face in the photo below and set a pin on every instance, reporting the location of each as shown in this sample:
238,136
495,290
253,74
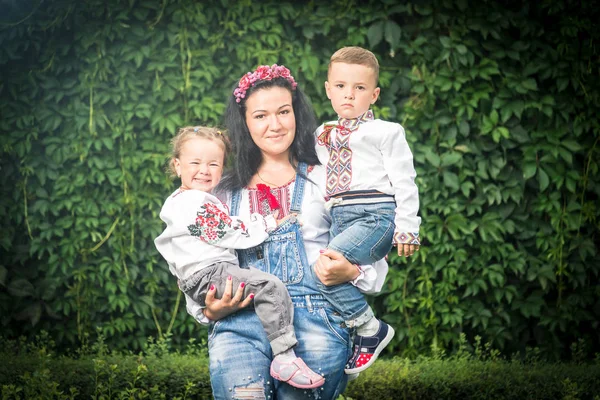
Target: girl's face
271,120
200,164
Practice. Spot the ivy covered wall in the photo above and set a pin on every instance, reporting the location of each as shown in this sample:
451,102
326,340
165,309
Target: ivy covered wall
500,101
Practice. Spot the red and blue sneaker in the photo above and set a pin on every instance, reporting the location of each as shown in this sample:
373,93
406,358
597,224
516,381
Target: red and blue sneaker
367,348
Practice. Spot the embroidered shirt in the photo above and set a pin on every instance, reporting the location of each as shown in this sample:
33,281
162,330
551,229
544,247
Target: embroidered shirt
379,159
281,194
200,232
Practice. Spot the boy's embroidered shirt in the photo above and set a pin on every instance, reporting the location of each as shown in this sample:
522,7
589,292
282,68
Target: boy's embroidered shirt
200,232
337,140
373,156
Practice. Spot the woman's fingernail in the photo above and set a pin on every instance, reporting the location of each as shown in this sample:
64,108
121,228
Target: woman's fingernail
321,251
212,287
242,284
229,278
251,295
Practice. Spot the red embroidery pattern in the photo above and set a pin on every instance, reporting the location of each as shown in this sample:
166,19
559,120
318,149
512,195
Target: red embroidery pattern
406,238
265,192
280,194
212,224
324,139
339,166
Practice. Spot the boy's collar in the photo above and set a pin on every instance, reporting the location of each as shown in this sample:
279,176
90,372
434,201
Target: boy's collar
354,123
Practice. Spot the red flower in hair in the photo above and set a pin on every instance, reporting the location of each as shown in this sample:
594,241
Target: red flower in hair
262,73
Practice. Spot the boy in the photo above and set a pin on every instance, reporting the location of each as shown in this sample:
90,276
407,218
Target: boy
370,189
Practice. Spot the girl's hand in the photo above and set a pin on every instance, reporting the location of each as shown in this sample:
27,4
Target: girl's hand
282,220
407,250
217,309
332,268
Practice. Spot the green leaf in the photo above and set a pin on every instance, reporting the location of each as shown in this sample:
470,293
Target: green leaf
464,128
503,131
529,84
571,145
375,33
529,170
21,288
450,158
392,33
466,188
451,180
543,179
32,312
446,41
433,158
494,117
462,49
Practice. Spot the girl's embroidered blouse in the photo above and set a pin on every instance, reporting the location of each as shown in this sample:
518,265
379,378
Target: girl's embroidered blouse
200,232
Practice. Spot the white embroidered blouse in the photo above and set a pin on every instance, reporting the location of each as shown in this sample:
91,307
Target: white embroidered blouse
200,232
373,156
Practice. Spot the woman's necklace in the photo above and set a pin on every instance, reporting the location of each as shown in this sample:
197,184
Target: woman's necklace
267,182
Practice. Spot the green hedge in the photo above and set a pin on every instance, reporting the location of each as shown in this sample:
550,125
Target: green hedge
500,101
183,376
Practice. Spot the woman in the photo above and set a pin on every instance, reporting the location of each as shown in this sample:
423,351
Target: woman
271,126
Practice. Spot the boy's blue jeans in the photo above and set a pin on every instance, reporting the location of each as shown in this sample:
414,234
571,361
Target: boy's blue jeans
363,234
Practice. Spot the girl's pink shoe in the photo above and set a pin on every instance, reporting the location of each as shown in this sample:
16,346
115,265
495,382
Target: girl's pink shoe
297,374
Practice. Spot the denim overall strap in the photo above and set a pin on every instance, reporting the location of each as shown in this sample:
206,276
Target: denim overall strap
236,197
298,195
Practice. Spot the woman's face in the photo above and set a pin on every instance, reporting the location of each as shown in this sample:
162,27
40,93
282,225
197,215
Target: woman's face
271,120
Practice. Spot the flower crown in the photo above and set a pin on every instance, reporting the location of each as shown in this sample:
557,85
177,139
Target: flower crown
262,73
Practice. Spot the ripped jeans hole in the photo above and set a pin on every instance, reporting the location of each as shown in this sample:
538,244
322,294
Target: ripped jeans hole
251,391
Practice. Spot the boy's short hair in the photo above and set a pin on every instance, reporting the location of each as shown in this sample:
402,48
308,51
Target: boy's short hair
355,55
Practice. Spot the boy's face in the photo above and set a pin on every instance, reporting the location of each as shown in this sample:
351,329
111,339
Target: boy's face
351,88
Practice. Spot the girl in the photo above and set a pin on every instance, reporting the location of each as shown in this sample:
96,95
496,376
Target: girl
199,245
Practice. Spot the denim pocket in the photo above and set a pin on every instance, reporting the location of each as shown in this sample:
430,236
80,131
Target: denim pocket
335,323
282,257
212,330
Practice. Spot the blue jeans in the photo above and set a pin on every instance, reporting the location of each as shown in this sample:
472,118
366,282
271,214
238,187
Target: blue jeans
363,234
240,354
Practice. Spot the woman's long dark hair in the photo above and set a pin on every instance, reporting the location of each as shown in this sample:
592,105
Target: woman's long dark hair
247,155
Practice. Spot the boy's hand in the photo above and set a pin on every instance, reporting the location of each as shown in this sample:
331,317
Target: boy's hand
407,250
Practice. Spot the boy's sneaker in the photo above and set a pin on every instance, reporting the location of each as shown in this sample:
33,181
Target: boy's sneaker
367,348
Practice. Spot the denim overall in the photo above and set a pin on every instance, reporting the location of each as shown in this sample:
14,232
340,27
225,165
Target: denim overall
240,354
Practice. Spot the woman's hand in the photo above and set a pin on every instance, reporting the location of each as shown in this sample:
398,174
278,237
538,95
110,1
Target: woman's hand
332,268
217,309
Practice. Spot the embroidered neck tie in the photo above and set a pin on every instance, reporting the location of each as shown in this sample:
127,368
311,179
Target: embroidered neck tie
339,166
352,124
